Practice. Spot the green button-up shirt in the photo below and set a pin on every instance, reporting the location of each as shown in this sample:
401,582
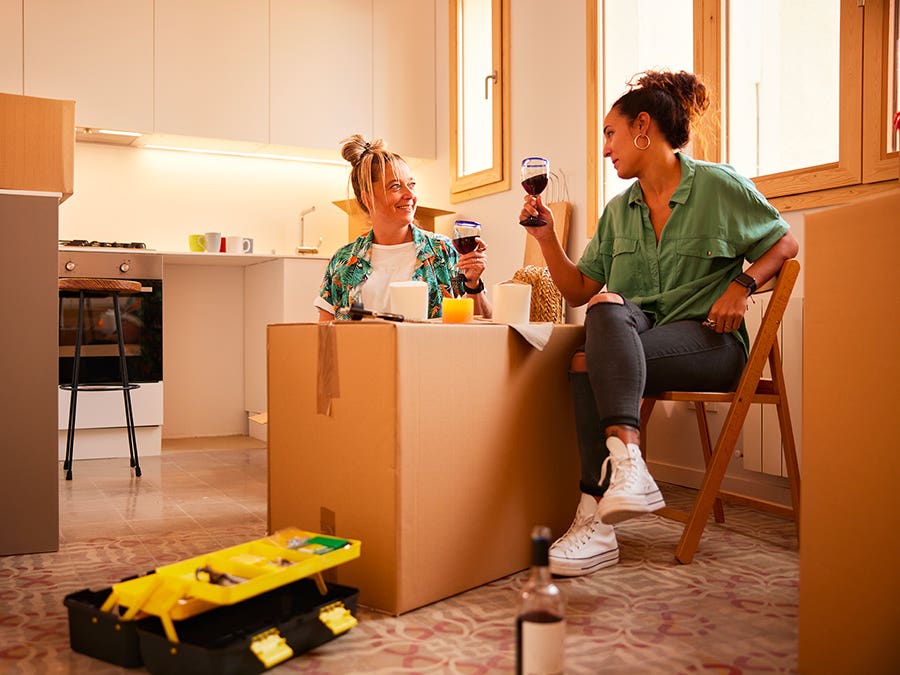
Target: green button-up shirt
350,266
718,219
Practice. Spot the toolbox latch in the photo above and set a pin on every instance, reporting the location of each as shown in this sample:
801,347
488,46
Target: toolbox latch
337,617
271,648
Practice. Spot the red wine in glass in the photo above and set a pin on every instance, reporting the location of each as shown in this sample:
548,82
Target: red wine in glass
535,175
465,234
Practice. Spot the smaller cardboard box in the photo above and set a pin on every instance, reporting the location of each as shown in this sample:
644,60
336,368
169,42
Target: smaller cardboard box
358,220
37,144
444,446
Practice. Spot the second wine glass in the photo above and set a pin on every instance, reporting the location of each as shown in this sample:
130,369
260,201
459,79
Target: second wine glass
535,175
465,234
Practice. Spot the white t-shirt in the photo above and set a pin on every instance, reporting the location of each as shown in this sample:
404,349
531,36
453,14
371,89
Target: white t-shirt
389,263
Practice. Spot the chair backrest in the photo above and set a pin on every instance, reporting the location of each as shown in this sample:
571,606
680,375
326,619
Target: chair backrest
781,287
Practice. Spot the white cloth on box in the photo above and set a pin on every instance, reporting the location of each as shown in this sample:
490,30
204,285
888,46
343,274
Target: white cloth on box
537,334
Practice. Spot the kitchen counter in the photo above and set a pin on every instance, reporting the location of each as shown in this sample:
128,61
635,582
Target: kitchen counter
198,258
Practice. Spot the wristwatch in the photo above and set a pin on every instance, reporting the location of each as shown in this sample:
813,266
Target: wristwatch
474,291
747,282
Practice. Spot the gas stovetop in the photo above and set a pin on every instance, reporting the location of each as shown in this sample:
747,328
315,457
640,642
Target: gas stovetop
84,243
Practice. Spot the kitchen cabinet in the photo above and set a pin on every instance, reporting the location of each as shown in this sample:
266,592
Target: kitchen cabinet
212,69
403,64
321,70
279,291
11,46
98,53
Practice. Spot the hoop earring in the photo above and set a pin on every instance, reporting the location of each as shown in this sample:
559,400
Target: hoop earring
635,141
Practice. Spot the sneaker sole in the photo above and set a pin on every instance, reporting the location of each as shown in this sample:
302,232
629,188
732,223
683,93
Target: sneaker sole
614,509
577,567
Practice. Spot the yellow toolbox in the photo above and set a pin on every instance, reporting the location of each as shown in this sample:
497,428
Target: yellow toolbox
241,609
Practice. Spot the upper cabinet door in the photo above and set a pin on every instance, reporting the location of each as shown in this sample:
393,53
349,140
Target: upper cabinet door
321,70
97,52
403,75
11,47
212,69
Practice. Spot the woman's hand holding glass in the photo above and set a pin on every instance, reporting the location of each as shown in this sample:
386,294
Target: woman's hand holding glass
534,208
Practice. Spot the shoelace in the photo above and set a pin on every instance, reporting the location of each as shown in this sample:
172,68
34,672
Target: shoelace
579,532
621,466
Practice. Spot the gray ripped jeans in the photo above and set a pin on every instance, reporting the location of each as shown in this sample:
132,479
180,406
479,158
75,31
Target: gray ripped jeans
627,356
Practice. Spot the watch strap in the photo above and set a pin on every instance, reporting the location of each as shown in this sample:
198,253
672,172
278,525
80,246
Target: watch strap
746,281
474,291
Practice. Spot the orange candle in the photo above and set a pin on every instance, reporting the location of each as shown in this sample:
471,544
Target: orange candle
458,310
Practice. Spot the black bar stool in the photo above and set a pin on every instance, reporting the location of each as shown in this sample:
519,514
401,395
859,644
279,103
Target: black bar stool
100,288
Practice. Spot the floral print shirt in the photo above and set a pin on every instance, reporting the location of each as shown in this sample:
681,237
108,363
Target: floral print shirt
350,266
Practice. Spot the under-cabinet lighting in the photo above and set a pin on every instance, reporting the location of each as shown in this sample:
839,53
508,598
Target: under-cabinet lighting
253,155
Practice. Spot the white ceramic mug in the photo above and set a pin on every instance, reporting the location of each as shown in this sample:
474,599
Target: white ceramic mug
248,245
410,298
211,242
237,244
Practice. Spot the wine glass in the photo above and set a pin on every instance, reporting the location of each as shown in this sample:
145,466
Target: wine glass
535,174
464,239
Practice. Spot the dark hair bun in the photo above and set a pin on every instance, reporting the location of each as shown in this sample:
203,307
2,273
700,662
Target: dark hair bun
675,101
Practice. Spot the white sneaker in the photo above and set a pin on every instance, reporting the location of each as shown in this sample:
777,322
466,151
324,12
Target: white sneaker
632,490
587,546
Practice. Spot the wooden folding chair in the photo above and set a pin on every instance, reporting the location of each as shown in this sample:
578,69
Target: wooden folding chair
752,388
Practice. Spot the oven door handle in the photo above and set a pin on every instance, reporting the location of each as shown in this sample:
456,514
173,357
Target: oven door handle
146,289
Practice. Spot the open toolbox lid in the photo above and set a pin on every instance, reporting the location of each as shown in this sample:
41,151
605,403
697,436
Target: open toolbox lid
230,575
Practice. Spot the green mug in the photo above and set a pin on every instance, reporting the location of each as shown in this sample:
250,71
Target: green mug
195,243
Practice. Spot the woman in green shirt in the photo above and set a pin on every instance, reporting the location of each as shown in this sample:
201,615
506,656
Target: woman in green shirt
666,295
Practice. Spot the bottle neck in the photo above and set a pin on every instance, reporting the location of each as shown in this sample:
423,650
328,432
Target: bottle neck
540,574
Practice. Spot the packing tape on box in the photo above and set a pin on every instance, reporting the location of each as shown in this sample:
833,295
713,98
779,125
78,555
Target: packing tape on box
327,383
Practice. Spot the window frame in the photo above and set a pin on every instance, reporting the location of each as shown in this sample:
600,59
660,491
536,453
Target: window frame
864,166
497,177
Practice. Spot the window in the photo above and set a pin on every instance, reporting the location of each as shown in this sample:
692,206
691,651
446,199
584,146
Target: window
479,98
789,107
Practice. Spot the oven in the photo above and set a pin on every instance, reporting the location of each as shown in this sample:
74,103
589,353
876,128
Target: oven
141,317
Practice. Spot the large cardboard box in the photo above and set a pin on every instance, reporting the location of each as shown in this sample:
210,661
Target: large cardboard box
444,446
358,220
850,515
37,144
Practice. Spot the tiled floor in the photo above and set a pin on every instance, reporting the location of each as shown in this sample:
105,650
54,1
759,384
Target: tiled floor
733,610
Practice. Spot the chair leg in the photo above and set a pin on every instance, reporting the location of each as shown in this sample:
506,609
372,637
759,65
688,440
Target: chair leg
715,472
788,446
703,426
126,391
73,397
647,406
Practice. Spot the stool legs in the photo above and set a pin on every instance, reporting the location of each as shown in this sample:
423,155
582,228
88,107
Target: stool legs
125,386
126,390
70,435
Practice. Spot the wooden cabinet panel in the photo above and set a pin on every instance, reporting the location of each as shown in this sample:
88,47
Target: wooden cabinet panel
11,46
403,75
321,72
98,53
212,62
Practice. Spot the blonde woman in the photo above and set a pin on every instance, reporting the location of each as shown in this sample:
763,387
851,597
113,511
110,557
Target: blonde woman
395,249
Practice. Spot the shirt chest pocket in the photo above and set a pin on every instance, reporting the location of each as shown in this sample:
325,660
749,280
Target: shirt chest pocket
622,263
705,248
618,246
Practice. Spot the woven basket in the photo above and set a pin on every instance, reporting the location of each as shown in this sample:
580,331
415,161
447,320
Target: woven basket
546,300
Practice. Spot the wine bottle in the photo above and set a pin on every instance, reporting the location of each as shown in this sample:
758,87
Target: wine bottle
540,623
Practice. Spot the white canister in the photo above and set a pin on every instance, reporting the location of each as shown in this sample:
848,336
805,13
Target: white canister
512,303
410,298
